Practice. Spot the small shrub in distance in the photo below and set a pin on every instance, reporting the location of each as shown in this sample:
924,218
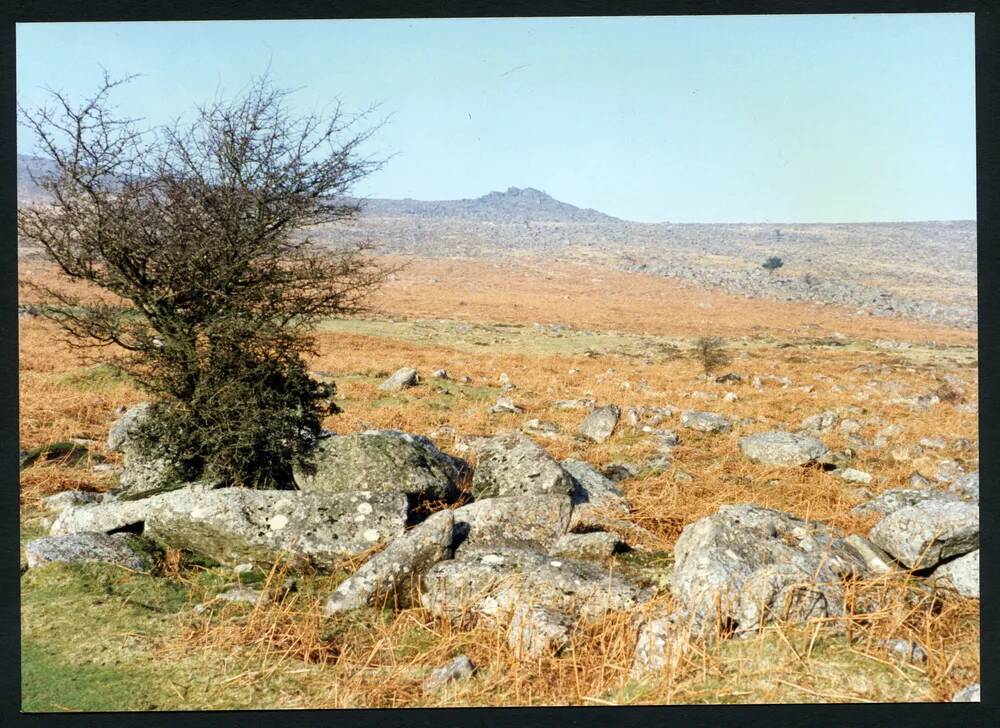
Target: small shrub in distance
772,264
711,353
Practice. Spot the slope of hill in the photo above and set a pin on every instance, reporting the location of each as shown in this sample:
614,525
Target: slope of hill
920,269
513,206
27,166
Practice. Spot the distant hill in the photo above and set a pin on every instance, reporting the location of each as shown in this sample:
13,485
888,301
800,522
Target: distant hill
920,269
515,205
26,166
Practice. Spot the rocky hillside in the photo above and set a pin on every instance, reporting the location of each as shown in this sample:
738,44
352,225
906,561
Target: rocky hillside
27,166
516,205
925,270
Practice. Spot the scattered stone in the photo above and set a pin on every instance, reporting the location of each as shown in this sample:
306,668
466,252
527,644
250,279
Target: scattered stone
505,405
926,533
460,668
782,448
385,461
470,443
968,694
967,486
617,472
537,519
389,575
536,630
70,498
680,475
728,378
593,545
544,428
948,470
787,590
916,480
125,426
400,380
656,464
904,650
662,642
850,427
147,473
730,397
585,404
705,422
890,431
962,574
839,459
240,595
759,381
933,443
665,438
512,464
964,443
239,525
855,476
123,549
600,423
857,442
876,560
656,415
440,374
591,487
893,500
779,558
632,416
488,582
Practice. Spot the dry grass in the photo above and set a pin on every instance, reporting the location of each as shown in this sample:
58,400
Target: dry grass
381,659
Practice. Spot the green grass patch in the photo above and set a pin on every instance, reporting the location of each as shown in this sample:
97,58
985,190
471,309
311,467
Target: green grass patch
97,378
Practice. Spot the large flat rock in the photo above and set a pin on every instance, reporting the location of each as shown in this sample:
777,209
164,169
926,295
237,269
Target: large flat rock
782,448
513,464
123,549
237,525
491,582
600,424
388,461
538,519
744,560
924,534
390,575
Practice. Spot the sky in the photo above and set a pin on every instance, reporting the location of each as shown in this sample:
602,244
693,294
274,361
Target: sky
836,118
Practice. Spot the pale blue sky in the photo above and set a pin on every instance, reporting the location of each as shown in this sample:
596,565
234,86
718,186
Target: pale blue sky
687,119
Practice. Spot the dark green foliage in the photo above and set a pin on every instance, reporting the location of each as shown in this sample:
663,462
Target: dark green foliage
710,352
248,418
772,263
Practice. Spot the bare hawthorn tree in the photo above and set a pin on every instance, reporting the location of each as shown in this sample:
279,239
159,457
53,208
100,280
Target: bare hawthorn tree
199,233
